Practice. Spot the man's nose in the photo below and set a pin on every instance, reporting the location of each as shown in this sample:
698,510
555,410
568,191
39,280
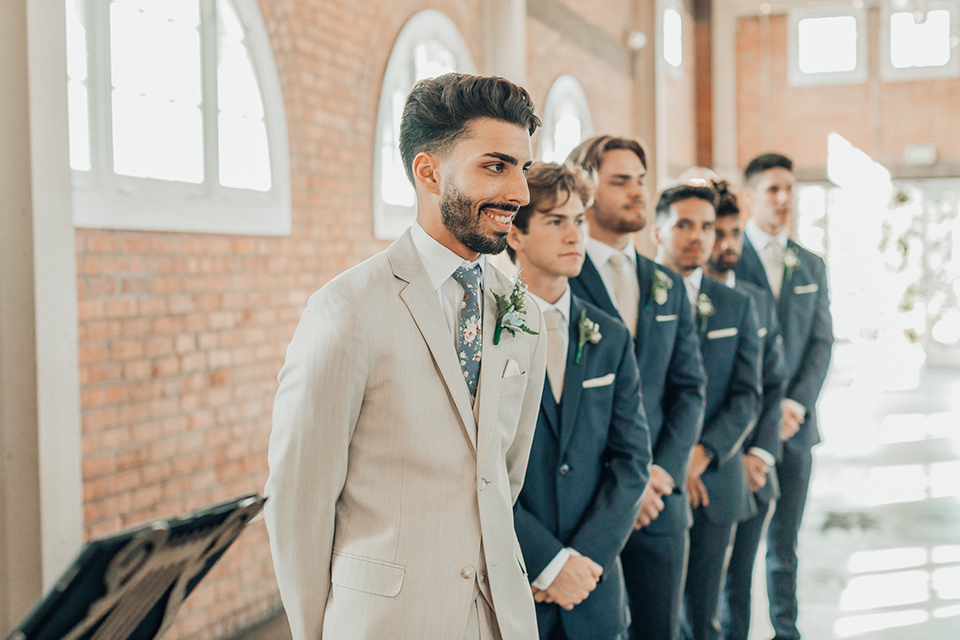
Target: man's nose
518,192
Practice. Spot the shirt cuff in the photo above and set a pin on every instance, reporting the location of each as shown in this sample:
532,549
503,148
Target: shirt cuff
796,406
552,570
764,455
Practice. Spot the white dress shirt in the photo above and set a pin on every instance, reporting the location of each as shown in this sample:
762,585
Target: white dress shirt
553,568
440,263
600,253
692,283
760,239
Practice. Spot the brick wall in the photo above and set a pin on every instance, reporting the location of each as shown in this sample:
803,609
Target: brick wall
797,120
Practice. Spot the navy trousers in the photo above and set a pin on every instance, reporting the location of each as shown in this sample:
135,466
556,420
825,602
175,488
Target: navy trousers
735,600
793,474
701,597
654,567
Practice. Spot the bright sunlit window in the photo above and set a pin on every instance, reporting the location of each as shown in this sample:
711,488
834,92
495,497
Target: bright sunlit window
429,45
673,37
826,47
176,118
566,119
920,43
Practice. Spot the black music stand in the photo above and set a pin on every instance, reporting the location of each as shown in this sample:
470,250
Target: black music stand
131,585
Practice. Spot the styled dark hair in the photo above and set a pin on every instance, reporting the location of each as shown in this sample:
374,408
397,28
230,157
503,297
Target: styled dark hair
727,204
683,192
589,154
548,182
763,163
438,111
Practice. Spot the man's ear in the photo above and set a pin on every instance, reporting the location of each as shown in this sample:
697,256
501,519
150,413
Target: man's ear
425,172
515,238
655,234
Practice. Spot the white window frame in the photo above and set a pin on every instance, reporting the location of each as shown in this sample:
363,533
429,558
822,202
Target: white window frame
390,220
678,6
798,78
890,73
564,90
106,200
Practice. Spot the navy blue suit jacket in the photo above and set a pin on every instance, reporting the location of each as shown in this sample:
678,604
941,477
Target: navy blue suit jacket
730,344
806,327
589,465
766,433
671,375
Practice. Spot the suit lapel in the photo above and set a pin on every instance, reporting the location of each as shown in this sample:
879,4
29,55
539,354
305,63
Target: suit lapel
491,363
549,408
751,268
645,271
572,377
421,300
596,291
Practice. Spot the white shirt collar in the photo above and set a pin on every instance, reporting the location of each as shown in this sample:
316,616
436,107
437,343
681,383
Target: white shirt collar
562,305
600,253
439,261
695,278
760,238
731,280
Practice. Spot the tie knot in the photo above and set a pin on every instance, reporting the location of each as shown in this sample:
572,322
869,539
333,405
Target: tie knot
620,261
553,319
773,248
469,279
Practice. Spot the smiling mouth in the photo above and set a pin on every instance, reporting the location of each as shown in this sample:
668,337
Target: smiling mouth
504,218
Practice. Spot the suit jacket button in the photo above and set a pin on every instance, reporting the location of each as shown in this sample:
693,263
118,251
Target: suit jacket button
468,573
564,469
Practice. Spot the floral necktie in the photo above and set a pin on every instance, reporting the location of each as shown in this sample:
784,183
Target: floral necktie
469,335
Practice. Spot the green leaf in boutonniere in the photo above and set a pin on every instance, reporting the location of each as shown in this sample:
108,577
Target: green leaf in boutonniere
589,332
661,288
705,309
511,311
791,261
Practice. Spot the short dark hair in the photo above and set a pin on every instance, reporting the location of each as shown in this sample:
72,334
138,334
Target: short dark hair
546,182
683,192
439,110
589,154
763,163
727,204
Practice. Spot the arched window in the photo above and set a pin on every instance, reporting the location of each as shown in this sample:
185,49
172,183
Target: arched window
429,45
176,117
566,119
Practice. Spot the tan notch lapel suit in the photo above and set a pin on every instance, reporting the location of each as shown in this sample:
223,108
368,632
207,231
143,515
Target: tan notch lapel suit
391,498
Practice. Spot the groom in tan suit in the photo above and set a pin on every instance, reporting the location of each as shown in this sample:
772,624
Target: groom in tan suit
408,401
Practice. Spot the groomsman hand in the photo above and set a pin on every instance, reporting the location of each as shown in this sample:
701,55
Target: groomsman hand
699,461
661,484
698,492
756,471
573,584
790,422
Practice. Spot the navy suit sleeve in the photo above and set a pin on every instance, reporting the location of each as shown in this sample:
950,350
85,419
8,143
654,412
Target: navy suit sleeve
729,427
806,384
766,435
684,397
538,545
605,526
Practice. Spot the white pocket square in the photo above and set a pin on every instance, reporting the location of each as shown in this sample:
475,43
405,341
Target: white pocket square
511,368
729,332
667,318
602,381
806,288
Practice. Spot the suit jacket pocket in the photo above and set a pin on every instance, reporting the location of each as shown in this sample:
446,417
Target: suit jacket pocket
509,383
806,288
729,332
666,318
365,574
602,381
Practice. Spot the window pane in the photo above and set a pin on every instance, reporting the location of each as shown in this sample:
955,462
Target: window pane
827,45
76,41
156,138
672,37
566,134
244,154
920,45
432,59
77,100
394,185
155,71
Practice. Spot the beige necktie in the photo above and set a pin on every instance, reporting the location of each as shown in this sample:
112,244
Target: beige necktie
627,290
773,263
556,354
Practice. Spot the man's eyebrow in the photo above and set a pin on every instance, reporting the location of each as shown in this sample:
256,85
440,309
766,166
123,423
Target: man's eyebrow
628,176
502,156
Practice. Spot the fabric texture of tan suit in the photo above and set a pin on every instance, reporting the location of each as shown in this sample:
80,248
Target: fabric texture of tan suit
390,498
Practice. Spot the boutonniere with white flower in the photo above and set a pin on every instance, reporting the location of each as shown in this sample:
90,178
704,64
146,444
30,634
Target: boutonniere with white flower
791,261
705,309
511,310
661,287
589,332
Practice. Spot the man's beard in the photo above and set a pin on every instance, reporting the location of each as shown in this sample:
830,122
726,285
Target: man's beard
617,223
719,265
461,217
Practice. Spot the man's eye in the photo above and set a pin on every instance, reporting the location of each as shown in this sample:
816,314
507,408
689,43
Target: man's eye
497,166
